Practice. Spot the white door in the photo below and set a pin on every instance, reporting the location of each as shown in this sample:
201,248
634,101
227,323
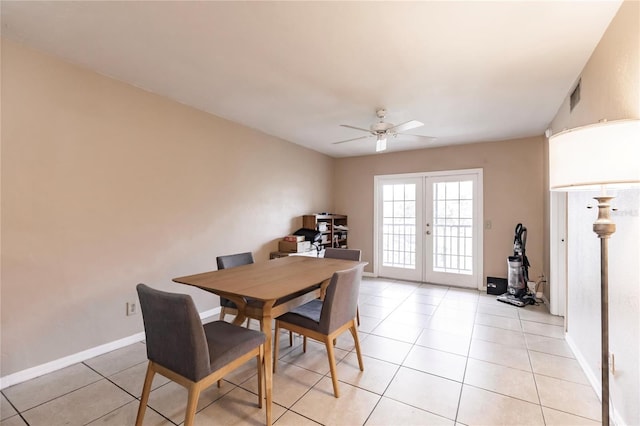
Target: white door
428,227
450,230
401,216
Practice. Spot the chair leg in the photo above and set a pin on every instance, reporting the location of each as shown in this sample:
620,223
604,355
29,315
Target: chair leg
358,315
223,312
192,403
332,365
304,344
290,338
260,359
354,333
146,389
276,345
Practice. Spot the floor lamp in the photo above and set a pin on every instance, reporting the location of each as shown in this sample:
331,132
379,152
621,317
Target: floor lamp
597,157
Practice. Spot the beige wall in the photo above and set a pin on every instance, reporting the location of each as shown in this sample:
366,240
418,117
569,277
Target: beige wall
513,193
610,90
105,186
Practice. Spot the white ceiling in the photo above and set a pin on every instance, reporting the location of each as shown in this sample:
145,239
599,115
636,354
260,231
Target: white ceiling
471,71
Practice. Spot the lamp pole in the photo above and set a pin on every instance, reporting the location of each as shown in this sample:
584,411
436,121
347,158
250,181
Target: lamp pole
604,227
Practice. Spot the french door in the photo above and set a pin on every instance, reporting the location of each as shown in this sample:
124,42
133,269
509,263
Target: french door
400,219
428,227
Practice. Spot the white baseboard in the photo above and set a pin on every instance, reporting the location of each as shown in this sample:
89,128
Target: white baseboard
49,367
614,415
593,380
369,274
544,298
210,313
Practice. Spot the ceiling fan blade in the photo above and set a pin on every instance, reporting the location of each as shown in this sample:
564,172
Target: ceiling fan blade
405,126
357,128
426,138
351,140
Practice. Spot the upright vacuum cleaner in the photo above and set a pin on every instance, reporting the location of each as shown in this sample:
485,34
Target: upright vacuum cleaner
517,292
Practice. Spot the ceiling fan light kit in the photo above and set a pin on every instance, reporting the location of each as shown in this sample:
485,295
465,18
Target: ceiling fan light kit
382,130
381,143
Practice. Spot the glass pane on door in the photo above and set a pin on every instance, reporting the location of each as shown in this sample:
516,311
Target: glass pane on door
453,227
399,225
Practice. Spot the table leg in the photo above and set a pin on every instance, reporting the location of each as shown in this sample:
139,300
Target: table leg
323,288
268,356
241,305
240,318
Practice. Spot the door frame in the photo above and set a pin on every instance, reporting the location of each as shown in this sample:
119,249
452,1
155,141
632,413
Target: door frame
478,210
558,253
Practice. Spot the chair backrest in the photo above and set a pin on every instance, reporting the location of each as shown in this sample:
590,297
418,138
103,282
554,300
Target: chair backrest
340,253
174,334
341,299
233,260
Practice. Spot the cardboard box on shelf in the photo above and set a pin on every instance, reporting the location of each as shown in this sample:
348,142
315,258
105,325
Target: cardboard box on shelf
293,246
294,238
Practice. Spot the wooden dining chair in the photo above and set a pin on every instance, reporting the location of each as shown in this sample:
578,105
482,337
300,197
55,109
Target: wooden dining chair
346,254
191,354
227,307
324,320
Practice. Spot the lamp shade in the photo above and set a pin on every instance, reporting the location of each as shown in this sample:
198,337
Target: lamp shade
590,157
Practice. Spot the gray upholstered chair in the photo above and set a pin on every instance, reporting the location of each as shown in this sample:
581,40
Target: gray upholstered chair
341,253
324,320
346,254
226,262
191,354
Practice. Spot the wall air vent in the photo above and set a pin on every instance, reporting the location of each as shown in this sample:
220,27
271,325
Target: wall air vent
575,96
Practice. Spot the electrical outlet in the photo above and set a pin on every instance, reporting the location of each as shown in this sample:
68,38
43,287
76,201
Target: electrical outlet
132,308
487,224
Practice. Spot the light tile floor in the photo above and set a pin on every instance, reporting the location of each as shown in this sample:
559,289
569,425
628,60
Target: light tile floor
433,355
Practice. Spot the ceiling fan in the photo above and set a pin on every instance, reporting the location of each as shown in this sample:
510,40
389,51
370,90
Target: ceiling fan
382,130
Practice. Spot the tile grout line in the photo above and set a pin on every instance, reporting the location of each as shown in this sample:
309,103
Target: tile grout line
466,364
327,375
399,366
18,413
135,398
53,399
535,381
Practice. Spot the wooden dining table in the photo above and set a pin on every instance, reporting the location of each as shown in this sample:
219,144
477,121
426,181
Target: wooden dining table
272,288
